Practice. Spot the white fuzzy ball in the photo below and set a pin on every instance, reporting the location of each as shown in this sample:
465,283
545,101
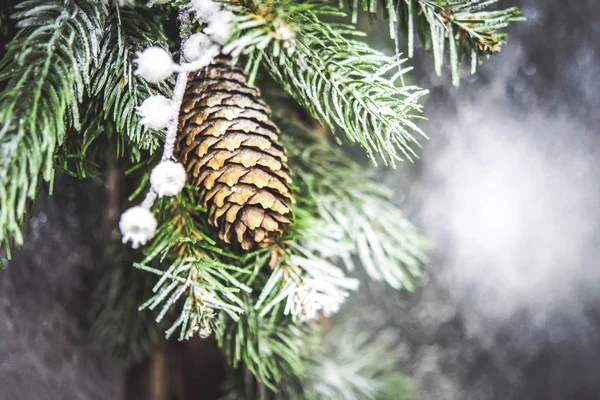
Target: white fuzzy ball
204,10
196,45
167,178
154,64
137,225
156,112
219,28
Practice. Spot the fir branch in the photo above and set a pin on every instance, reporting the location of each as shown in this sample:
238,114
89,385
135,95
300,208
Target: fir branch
197,274
268,285
117,91
45,69
341,361
270,347
203,277
83,153
308,285
351,363
334,76
357,216
448,29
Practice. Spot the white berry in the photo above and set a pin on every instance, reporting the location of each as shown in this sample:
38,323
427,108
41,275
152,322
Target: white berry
154,64
167,178
196,45
204,10
219,28
156,112
137,225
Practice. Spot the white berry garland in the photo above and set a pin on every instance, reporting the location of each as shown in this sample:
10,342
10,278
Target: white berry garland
155,64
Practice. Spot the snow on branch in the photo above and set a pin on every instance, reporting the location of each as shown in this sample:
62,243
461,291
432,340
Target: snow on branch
44,75
333,75
448,29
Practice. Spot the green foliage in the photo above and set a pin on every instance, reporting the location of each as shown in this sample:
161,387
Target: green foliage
351,363
83,153
199,271
356,213
108,113
269,347
204,278
264,298
343,361
448,28
310,285
45,71
68,88
334,76
117,91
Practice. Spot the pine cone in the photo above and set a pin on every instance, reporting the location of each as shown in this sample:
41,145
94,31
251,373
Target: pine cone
230,149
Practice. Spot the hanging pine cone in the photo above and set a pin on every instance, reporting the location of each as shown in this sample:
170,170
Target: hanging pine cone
230,149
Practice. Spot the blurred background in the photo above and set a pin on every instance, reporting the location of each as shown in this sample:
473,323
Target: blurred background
507,190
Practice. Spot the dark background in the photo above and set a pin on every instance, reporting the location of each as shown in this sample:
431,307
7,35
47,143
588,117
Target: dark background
507,189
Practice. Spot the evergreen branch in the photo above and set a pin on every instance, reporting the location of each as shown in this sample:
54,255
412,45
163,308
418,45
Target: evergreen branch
358,218
270,348
83,153
309,286
335,77
343,361
264,331
448,29
349,362
117,91
197,274
45,68
204,278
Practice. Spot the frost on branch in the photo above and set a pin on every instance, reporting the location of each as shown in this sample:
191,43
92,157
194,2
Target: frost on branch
314,297
322,290
311,286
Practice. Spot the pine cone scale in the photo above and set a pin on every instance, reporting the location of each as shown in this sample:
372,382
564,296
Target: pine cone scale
230,148
218,127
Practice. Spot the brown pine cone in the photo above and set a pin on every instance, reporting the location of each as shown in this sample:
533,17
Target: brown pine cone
231,152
